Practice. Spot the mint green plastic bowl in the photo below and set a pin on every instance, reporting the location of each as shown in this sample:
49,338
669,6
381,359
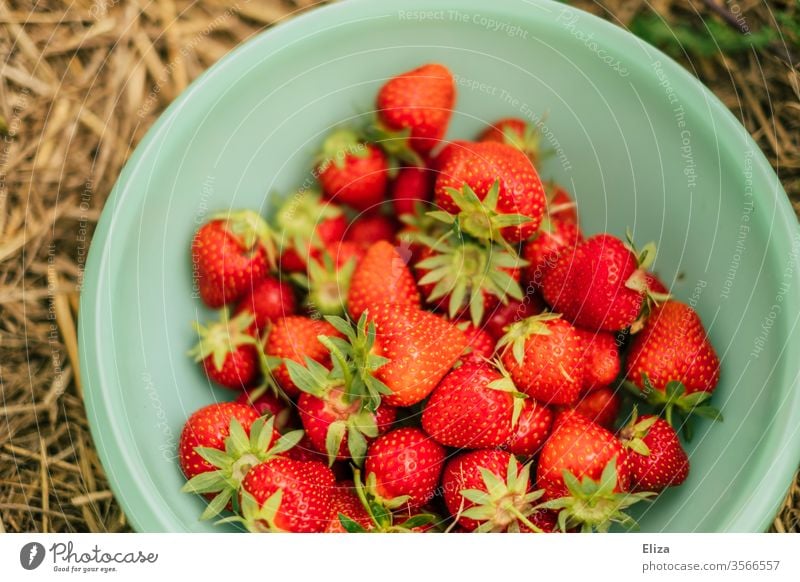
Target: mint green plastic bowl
639,141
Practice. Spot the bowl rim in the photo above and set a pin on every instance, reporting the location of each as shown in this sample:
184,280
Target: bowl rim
125,471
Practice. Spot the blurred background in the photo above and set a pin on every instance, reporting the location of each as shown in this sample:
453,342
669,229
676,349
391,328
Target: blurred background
80,84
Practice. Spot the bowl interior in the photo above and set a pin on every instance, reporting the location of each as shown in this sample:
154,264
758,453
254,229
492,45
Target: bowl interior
639,143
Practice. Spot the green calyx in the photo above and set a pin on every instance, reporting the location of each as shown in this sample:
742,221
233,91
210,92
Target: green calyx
380,511
518,333
594,505
638,280
506,384
674,401
466,270
529,143
327,286
218,339
298,217
503,505
255,518
396,145
634,433
480,218
340,145
251,230
242,452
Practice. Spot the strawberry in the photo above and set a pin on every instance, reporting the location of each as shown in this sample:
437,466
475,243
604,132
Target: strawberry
515,310
414,109
542,252
672,362
411,186
369,229
382,276
307,224
464,276
230,255
560,205
655,285
285,495
517,133
493,191
266,403
655,454
352,172
420,347
475,406
533,428
328,279
480,344
488,491
229,354
345,502
601,354
600,406
268,300
544,355
296,338
403,467
601,285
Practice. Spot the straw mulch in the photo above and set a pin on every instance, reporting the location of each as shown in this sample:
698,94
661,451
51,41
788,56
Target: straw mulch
81,82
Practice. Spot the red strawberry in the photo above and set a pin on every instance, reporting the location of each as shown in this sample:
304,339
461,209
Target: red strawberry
343,251
542,252
352,172
268,300
287,495
475,406
306,224
417,105
655,285
582,448
463,276
544,355
531,431
404,463
601,354
344,501
488,491
421,348
505,182
655,453
479,342
517,133
230,255
369,229
672,361
600,286
560,205
502,316
228,352
600,406
305,451
413,185
382,276
265,403
295,338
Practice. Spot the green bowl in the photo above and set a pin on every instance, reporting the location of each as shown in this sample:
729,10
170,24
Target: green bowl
640,142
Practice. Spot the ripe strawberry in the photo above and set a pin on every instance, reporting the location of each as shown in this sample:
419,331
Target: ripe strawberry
503,316
421,348
544,355
655,285
306,224
413,185
480,344
417,105
560,205
295,338
268,300
533,428
228,352
287,495
542,253
673,363
517,133
464,276
601,354
404,463
369,229
352,172
344,501
266,403
342,252
382,276
488,491
512,200
600,286
655,453
475,406
230,255
582,448
600,406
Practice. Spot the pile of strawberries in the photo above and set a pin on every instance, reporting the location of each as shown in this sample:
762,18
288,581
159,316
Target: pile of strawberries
427,342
